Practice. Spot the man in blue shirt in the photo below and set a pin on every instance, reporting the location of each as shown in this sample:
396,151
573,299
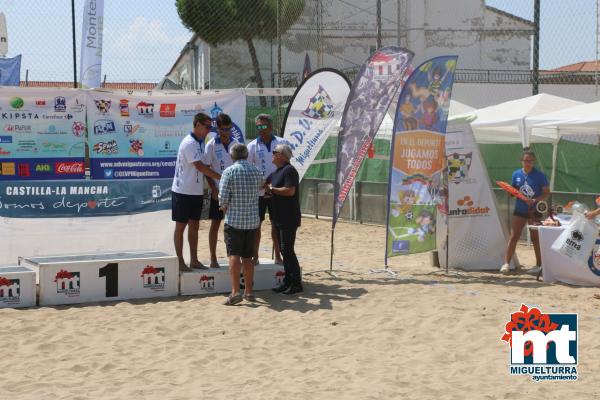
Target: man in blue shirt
238,199
534,185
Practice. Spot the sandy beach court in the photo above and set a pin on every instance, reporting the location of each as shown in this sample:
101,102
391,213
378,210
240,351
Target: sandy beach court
425,335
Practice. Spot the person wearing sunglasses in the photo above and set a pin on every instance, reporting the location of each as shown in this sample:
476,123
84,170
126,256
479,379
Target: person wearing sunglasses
534,185
188,189
260,153
218,158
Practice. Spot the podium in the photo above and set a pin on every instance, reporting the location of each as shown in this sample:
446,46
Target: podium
84,278
17,287
267,275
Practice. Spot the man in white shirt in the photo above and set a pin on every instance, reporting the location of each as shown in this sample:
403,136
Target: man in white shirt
218,158
260,153
188,189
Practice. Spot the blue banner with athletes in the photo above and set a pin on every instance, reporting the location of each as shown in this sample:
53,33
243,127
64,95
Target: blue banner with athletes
42,134
138,136
56,199
417,184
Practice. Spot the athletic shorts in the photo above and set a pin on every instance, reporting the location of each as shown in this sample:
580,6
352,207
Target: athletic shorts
263,206
239,242
185,207
213,210
532,217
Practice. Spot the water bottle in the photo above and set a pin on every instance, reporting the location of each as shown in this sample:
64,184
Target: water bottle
579,207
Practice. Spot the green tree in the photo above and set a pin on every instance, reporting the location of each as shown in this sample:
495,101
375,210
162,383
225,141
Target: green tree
223,21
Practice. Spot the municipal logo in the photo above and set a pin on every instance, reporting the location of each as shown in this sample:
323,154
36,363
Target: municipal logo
320,106
458,167
10,290
153,278
68,283
207,283
145,109
60,104
543,346
279,277
167,110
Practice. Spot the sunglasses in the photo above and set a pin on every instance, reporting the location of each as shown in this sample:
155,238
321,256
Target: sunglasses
261,127
224,129
209,125
275,152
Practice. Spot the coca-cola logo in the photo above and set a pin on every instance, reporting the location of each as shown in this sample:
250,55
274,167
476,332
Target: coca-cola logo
69,168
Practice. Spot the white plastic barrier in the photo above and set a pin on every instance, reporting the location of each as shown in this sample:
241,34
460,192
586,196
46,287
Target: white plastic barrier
267,275
87,278
17,287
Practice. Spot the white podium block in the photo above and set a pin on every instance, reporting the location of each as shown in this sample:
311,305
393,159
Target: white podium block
267,275
17,287
84,278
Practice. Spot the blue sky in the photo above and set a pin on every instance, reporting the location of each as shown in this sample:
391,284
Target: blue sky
143,38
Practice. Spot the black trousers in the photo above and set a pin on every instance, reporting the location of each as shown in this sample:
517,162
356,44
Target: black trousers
287,239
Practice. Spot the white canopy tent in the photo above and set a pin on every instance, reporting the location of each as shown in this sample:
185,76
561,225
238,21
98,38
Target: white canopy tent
580,123
458,108
505,122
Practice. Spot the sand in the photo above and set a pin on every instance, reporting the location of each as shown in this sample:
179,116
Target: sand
425,335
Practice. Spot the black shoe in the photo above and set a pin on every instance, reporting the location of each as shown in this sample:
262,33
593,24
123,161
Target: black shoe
293,290
281,288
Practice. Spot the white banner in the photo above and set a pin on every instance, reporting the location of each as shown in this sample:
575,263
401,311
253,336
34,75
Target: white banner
559,268
90,74
24,237
477,235
314,112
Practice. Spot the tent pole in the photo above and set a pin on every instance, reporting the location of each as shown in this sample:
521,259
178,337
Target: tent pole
554,154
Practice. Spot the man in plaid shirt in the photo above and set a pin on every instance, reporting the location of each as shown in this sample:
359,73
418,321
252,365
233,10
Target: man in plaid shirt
238,199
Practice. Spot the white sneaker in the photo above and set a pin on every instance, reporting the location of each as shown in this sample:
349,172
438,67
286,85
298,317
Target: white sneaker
535,270
505,268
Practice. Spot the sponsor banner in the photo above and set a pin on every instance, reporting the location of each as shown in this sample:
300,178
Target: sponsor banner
127,168
416,191
370,96
39,126
314,112
53,199
41,168
477,234
141,130
91,44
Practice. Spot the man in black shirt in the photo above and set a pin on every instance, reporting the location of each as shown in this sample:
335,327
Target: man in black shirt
283,185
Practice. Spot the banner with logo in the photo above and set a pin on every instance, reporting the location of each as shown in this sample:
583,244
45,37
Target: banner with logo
133,136
41,134
417,158
85,198
370,96
477,235
314,111
90,74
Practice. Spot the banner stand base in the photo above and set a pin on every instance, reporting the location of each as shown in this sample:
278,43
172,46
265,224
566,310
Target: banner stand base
330,272
392,274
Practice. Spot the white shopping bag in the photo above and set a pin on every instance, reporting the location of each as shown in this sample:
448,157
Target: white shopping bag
577,239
